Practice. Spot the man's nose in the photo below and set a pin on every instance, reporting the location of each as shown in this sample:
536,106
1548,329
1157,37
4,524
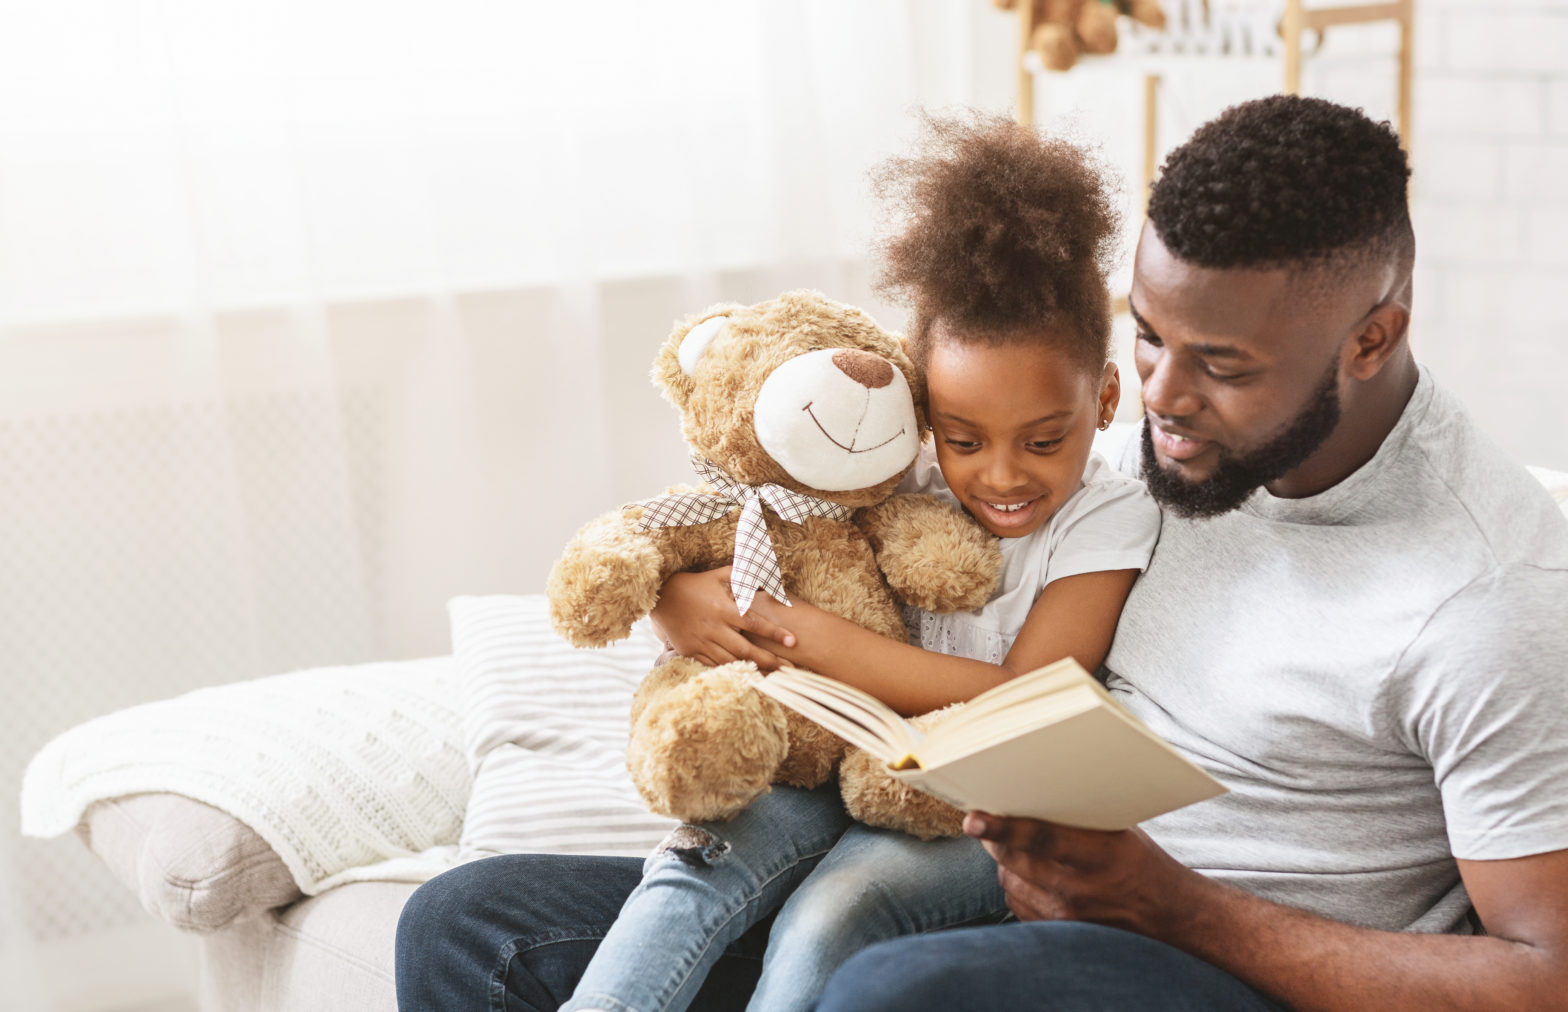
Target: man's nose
1167,390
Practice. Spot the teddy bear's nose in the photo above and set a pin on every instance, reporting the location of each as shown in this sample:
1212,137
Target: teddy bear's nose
864,368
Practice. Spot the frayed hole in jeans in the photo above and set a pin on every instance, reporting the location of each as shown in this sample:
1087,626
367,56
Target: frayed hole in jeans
693,846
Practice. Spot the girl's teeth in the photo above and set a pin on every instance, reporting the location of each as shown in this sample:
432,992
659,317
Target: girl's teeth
1007,509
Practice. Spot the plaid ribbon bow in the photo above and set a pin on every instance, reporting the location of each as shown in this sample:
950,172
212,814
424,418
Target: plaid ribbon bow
755,564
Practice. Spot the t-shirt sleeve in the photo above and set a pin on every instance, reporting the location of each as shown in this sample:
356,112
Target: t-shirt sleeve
925,476
1481,694
1122,446
1112,525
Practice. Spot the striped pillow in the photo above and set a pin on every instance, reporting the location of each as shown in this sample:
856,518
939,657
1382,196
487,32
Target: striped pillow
545,727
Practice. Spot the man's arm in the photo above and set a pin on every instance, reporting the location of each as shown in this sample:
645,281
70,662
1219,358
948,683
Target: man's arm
1307,962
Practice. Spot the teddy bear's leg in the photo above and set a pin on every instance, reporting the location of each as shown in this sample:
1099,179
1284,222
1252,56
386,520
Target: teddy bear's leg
874,797
704,743
1096,28
1147,12
813,754
1057,48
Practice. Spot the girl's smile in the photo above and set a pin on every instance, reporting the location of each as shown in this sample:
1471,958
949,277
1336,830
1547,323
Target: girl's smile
1013,425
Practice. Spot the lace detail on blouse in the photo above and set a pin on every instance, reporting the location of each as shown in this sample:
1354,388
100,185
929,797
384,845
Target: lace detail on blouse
956,634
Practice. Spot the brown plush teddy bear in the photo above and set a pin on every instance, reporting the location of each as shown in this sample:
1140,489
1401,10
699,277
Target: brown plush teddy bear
802,416
1065,28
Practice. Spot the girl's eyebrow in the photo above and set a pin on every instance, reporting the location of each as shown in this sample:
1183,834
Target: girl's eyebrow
948,416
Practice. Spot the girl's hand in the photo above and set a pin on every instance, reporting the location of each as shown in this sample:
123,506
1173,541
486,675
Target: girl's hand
696,615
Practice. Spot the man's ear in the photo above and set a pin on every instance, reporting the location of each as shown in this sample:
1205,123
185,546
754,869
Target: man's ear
1375,338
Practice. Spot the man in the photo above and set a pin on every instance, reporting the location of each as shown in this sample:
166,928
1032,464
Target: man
1354,618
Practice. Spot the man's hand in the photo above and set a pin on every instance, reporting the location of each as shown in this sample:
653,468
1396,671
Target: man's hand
1052,872
696,615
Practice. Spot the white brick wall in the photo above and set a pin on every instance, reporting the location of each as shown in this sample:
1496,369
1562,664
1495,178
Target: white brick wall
1491,214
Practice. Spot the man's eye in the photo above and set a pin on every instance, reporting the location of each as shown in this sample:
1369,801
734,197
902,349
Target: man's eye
1147,338
1223,377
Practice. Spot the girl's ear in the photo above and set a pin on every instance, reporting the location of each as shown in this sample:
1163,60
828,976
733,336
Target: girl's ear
1110,393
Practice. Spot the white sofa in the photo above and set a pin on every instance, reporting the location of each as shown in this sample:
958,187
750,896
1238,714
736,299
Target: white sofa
265,943
285,821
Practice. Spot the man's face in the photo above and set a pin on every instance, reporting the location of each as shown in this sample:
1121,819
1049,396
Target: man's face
1240,375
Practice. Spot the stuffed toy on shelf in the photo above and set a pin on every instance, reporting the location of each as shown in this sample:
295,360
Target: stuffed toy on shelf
1064,29
802,417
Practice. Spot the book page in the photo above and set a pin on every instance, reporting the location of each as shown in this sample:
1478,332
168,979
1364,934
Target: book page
1098,769
856,716
947,742
1026,691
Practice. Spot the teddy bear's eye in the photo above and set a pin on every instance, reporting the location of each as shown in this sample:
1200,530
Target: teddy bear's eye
696,342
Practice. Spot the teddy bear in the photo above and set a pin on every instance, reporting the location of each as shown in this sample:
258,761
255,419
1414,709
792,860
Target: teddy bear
802,416
1065,28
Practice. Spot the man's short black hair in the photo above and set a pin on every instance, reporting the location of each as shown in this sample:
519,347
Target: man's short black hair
1285,181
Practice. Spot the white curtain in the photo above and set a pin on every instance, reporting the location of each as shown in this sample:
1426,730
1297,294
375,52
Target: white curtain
314,313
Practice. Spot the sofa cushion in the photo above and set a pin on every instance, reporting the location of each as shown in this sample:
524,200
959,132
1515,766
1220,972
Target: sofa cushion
189,864
545,726
332,951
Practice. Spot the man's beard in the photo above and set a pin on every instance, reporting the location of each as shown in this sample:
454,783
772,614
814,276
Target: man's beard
1235,477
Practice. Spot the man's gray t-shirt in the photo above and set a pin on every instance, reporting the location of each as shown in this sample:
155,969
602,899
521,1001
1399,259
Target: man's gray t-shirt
1379,673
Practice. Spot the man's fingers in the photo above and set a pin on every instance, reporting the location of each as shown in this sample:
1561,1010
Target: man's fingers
1030,902
1013,833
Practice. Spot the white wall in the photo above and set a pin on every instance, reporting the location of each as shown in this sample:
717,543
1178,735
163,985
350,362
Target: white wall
1491,210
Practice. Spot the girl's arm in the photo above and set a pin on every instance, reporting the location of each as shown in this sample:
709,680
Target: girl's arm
1073,617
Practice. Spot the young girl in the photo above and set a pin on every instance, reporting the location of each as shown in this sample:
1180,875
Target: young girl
1003,240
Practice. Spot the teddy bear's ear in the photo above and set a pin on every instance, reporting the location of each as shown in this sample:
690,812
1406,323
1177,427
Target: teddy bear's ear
697,340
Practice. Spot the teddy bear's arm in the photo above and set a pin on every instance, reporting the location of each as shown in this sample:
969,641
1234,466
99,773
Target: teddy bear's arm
611,573
933,555
607,578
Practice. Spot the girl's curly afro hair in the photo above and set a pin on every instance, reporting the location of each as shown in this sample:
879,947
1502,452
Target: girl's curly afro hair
1002,235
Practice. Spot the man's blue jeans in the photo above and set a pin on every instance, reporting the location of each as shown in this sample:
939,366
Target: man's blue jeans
1051,966
514,933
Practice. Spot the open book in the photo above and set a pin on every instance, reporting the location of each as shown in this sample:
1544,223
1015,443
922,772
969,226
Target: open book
1051,744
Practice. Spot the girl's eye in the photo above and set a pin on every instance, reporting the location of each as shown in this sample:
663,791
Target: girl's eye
961,444
1041,445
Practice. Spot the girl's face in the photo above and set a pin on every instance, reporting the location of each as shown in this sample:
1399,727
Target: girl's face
1013,426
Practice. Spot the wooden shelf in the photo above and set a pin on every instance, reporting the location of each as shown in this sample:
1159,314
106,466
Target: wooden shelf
1296,22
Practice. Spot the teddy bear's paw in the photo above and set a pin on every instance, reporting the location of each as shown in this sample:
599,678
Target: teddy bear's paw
933,555
872,796
702,750
814,753
598,589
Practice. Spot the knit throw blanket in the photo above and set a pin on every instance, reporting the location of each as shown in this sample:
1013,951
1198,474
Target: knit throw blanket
349,773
